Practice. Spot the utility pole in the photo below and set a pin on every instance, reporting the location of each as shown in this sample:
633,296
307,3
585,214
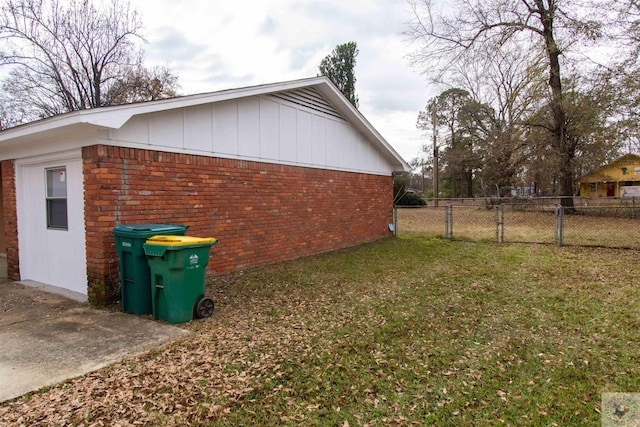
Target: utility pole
435,157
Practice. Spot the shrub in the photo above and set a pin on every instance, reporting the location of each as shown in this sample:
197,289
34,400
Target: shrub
411,199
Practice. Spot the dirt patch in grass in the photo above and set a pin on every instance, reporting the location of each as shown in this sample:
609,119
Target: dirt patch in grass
398,332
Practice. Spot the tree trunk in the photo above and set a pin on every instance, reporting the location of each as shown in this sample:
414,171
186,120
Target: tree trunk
454,183
469,175
557,106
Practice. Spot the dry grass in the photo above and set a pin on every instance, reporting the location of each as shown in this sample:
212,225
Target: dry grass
479,224
407,331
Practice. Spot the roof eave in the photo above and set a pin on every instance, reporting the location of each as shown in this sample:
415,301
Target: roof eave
328,89
115,117
596,173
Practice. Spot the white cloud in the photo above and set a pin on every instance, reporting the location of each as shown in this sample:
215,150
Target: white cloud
217,44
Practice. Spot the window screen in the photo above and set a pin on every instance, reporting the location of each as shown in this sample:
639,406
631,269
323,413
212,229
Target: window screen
57,198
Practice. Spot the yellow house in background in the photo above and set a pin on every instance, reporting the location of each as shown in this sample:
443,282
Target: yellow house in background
620,178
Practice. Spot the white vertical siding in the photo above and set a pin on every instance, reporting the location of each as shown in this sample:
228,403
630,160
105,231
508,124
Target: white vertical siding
304,140
332,143
346,140
289,134
248,127
136,130
198,132
319,140
166,128
225,127
269,129
282,128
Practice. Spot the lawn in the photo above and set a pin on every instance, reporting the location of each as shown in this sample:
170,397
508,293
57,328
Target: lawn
406,331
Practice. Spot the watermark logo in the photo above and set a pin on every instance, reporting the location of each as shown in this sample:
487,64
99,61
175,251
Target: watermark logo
620,409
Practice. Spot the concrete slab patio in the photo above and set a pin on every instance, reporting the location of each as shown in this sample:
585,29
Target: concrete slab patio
46,338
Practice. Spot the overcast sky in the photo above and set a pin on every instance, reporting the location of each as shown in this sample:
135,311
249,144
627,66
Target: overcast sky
214,45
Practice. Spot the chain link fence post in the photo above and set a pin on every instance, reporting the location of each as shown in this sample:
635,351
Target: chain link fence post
558,225
555,223
497,225
448,221
451,222
395,221
500,223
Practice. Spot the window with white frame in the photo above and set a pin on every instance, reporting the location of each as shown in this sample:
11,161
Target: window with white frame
57,198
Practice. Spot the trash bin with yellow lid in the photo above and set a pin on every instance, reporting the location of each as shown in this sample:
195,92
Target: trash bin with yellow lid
135,282
178,267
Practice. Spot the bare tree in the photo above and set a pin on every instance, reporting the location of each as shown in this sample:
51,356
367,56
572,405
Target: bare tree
508,88
622,79
66,55
445,110
591,131
628,33
550,26
143,84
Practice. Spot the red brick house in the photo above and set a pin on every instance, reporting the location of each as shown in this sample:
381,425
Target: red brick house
274,172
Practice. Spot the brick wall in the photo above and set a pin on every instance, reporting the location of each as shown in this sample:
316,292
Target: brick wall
261,213
10,218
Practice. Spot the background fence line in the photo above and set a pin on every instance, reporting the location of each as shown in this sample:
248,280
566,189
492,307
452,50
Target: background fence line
604,223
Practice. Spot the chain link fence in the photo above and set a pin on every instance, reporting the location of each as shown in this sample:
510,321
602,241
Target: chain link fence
609,222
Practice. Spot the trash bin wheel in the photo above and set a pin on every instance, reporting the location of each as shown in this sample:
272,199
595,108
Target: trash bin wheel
204,308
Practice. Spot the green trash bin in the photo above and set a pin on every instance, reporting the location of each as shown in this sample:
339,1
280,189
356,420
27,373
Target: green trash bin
135,281
178,265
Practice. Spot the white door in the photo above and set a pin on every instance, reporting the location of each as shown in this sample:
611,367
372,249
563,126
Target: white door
51,234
